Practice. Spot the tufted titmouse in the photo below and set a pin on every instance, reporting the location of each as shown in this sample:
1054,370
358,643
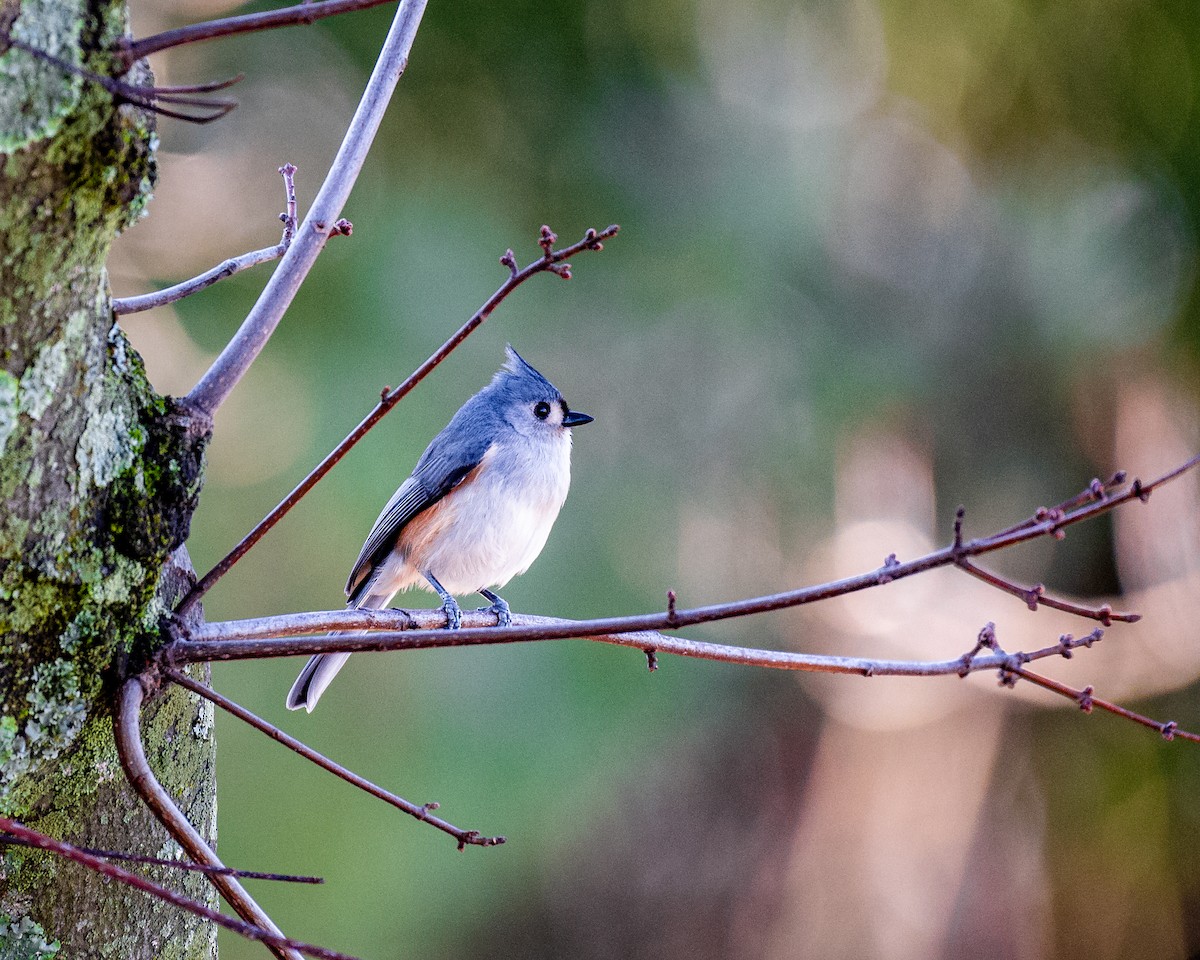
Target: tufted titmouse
475,513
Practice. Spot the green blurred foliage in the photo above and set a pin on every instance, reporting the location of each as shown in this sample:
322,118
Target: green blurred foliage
969,223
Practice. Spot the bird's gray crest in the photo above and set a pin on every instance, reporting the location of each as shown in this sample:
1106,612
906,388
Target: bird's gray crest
521,380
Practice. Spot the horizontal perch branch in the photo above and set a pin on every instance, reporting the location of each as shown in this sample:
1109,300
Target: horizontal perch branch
272,636
277,637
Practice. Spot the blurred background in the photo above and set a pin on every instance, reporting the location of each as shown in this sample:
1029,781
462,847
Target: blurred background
878,258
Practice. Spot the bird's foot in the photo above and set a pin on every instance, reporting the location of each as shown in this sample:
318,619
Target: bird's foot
453,613
500,608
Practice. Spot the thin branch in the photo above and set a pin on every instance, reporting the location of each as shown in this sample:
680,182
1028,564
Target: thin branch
147,98
280,290
127,731
261,639
629,630
304,13
7,838
1087,700
160,298
551,260
289,217
277,942
1036,596
1096,490
419,811
287,636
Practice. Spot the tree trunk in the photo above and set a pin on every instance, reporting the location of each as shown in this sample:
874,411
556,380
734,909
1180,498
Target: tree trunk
98,479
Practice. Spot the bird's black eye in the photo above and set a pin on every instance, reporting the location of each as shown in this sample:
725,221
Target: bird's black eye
541,410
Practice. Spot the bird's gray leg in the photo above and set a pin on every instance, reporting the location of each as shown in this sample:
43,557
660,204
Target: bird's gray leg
499,607
449,606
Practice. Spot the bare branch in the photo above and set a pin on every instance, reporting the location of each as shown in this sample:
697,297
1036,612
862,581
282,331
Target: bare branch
1036,596
303,13
289,216
147,98
8,838
1087,700
160,298
592,240
1096,490
288,635
419,811
258,326
233,265
274,940
292,635
127,731
631,630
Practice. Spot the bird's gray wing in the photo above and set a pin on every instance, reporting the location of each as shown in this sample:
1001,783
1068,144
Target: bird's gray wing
454,453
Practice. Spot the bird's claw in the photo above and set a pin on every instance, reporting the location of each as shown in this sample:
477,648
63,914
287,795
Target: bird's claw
499,607
453,613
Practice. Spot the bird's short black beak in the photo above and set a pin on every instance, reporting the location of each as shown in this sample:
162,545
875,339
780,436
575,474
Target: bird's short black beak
576,419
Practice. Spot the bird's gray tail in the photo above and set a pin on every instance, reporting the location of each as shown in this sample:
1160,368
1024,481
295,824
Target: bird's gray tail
317,674
320,670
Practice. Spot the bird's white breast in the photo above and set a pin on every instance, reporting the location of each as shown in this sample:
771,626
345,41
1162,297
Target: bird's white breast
493,525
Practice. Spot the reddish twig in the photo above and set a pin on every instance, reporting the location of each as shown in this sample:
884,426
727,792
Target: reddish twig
550,259
174,864
127,732
311,237
1087,700
419,811
281,945
1036,596
1096,490
147,98
133,50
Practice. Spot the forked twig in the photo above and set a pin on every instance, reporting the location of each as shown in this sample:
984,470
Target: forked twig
127,732
126,305
148,98
275,941
419,811
551,260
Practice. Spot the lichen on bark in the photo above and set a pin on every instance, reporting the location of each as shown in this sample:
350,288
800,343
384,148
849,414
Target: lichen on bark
99,477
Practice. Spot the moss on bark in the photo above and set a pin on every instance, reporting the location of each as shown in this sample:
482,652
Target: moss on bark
98,480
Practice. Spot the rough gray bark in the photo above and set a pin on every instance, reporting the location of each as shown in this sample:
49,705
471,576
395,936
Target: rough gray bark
98,480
